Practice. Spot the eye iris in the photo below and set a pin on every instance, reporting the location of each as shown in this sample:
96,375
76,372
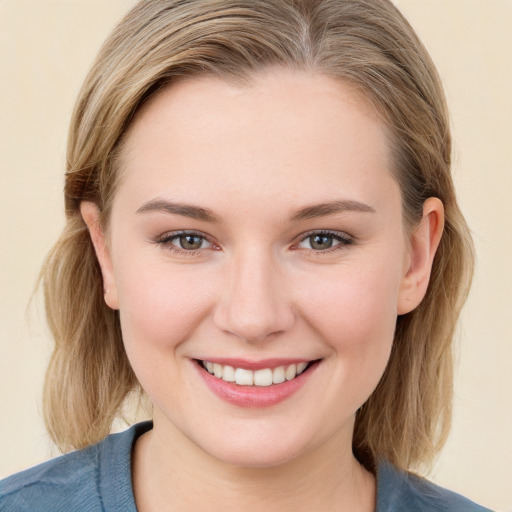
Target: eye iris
320,242
190,242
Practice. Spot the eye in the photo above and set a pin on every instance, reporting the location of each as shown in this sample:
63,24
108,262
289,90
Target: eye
185,242
324,241
190,242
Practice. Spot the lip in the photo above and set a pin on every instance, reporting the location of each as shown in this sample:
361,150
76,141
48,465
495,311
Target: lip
254,396
254,365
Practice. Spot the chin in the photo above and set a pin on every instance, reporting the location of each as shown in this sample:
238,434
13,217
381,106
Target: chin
262,446
256,456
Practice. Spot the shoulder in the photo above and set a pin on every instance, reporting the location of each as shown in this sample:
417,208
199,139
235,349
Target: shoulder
80,480
399,491
54,485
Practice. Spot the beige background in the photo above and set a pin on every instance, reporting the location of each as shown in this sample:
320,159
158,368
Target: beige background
46,47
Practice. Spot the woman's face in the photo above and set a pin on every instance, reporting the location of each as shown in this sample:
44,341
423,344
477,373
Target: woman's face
257,228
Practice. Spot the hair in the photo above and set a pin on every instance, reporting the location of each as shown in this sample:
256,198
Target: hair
367,44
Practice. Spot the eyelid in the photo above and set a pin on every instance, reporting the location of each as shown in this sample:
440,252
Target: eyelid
166,240
343,238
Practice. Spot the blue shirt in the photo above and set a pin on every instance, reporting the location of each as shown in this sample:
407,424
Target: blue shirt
98,479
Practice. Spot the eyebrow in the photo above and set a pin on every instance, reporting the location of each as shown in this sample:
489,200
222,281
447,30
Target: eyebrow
331,208
206,215
193,212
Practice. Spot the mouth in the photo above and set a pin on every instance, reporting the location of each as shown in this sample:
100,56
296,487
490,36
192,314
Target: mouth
255,384
262,377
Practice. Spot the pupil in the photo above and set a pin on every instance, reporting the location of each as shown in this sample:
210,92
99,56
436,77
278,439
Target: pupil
190,242
321,241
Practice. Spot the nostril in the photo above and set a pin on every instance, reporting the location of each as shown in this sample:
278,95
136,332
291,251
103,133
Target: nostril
253,304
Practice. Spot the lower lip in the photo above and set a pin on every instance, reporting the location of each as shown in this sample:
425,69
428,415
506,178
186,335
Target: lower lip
255,396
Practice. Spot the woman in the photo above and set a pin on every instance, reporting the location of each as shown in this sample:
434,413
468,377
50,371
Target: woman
263,237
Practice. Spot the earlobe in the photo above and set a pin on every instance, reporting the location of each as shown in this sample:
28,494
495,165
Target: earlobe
91,215
423,246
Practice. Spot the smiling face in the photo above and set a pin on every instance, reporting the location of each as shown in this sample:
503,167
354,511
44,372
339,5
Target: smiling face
257,235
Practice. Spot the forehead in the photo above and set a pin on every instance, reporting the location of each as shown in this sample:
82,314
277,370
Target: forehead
283,131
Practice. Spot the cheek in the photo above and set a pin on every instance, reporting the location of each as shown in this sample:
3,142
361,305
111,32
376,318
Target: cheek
159,311
355,301
160,306
355,315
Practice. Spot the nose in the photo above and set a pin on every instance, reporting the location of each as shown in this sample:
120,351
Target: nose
254,302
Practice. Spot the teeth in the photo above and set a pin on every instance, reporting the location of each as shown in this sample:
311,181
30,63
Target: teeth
217,370
244,377
264,377
291,372
301,367
228,374
278,375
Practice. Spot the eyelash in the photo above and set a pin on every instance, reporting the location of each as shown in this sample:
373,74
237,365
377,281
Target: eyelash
167,241
342,238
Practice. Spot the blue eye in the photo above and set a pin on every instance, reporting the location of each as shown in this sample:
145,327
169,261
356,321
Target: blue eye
322,241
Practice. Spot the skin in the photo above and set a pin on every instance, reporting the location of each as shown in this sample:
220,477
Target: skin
256,288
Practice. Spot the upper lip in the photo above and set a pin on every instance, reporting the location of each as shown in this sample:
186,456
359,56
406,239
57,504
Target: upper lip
255,364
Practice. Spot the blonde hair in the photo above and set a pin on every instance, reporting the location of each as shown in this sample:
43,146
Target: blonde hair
366,43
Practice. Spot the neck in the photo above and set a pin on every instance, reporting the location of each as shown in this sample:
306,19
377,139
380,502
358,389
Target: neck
174,474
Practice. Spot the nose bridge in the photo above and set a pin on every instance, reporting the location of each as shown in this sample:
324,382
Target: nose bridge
254,302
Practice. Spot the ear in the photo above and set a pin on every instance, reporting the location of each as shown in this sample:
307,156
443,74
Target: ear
423,246
91,215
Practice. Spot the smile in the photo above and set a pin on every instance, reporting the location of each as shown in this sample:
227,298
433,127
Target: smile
255,384
263,377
